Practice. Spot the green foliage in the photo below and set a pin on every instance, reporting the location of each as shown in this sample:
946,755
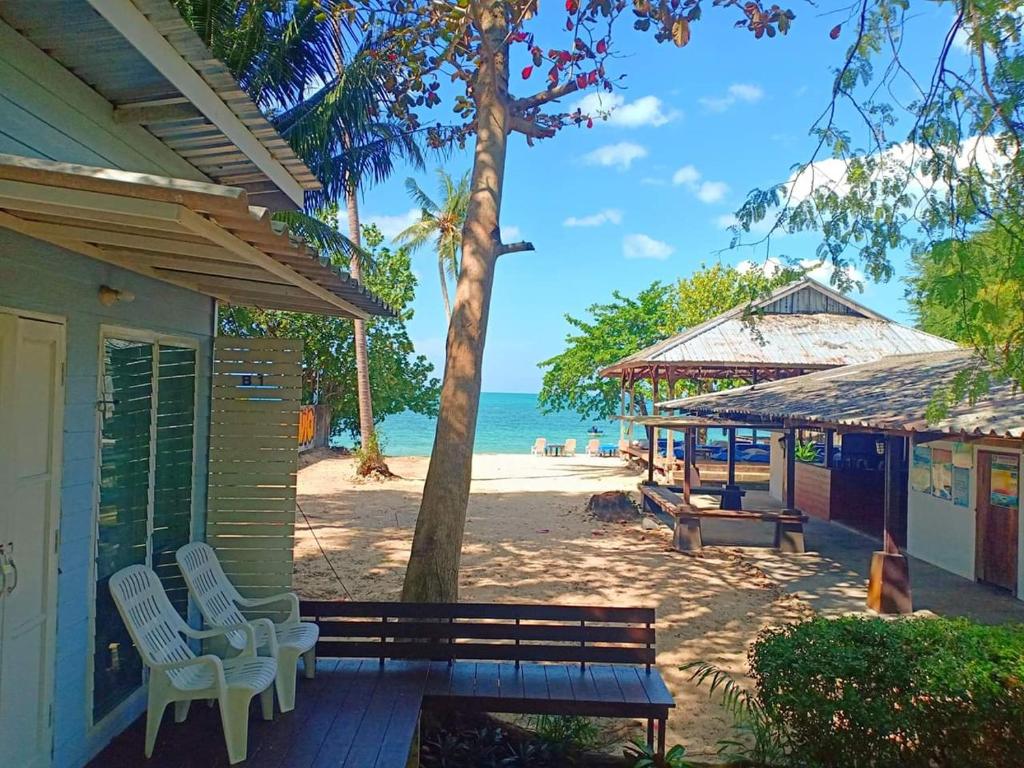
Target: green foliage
917,693
627,325
760,740
401,378
486,748
805,452
644,755
565,733
922,156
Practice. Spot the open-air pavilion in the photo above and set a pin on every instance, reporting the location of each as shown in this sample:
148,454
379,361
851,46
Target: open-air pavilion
799,328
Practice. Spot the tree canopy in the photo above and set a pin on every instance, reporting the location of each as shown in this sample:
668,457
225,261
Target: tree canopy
626,325
402,379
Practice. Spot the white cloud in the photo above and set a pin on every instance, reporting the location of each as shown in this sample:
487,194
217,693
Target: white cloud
745,92
706,191
640,246
613,109
686,175
712,191
511,234
619,155
726,220
607,216
390,226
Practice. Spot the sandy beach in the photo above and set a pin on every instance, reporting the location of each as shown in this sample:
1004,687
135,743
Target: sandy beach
529,539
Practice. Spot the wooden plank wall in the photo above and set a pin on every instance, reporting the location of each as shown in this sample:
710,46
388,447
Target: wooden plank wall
257,391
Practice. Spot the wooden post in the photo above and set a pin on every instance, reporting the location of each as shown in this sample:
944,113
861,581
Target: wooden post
650,456
791,468
830,441
889,584
732,456
687,463
653,436
670,451
622,408
753,432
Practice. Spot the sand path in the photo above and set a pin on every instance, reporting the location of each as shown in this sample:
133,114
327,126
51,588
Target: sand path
528,539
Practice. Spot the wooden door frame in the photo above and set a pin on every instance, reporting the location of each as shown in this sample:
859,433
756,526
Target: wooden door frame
52,523
978,530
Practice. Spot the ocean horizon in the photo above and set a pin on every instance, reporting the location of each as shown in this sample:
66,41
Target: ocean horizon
509,422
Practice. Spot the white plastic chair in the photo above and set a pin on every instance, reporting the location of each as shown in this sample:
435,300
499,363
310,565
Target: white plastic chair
221,606
569,449
594,447
177,675
538,446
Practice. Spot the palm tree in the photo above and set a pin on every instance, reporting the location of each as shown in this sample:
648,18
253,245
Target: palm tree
441,223
326,99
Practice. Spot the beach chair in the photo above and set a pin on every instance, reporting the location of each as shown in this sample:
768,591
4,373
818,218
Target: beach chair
570,447
221,606
177,675
594,447
538,446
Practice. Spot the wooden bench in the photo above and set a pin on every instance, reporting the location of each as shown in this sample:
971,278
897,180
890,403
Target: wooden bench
789,524
510,658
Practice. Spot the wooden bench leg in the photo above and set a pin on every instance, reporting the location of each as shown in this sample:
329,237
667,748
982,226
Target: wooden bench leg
687,536
650,733
661,738
789,537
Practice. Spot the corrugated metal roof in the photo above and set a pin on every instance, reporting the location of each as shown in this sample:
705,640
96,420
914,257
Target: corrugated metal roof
74,34
801,325
888,394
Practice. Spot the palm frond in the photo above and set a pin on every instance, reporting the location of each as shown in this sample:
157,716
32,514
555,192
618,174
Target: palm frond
419,233
419,197
324,237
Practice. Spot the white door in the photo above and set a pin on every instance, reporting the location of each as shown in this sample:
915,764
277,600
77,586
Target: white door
31,406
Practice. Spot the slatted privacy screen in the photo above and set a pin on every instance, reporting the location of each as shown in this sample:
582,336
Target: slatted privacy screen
257,391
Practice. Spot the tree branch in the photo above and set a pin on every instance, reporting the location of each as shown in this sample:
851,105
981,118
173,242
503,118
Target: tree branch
519,106
522,245
529,128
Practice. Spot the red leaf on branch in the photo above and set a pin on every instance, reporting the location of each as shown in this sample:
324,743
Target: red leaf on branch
592,78
835,31
602,46
569,25
572,6
527,71
581,81
590,122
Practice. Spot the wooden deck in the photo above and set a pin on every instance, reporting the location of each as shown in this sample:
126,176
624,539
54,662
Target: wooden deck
355,714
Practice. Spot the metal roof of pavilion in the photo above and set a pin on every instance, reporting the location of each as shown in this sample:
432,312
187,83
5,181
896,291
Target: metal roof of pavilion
204,237
891,394
141,55
799,327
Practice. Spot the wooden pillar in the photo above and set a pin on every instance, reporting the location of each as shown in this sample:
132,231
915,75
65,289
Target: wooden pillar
753,432
732,456
670,451
830,441
653,433
687,463
622,408
650,455
791,468
889,584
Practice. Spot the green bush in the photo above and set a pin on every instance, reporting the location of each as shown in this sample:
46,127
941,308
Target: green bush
863,692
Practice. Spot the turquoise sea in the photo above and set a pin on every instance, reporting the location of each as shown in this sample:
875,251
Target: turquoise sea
508,423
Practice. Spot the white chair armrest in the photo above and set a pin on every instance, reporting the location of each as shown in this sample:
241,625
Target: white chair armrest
247,629
267,626
258,602
208,660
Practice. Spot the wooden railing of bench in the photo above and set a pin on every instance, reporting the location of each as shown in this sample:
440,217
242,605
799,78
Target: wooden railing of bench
514,632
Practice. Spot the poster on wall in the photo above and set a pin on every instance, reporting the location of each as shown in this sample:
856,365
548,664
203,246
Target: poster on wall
963,455
921,469
1004,481
961,487
942,473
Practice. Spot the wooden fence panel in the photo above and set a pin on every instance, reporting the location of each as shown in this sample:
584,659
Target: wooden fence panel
254,449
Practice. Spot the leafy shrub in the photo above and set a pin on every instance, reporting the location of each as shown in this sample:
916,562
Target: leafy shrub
564,733
484,748
644,755
863,692
805,452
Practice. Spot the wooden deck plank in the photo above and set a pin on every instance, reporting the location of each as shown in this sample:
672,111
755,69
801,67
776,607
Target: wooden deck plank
313,697
439,678
389,725
559,687
604,681
582,682
632,689
535,682
335,746
349,679
511,683
402,727
488,679
463,679
656,689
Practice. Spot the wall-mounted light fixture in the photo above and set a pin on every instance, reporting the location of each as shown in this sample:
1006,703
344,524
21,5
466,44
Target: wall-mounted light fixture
111,296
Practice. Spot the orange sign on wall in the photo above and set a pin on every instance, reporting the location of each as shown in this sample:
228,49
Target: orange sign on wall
307,426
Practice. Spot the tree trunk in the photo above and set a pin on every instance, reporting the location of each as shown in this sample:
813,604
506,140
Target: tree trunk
444,288
362,361
433,572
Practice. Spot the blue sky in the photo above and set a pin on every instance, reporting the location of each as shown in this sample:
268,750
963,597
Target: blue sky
646,195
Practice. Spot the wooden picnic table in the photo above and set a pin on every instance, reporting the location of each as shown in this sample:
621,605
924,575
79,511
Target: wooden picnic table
554,449
789,523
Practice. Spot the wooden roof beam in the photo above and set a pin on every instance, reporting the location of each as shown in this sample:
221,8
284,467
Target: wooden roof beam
151,113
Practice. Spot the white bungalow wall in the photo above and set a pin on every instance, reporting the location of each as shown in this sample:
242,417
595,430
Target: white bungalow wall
943,534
